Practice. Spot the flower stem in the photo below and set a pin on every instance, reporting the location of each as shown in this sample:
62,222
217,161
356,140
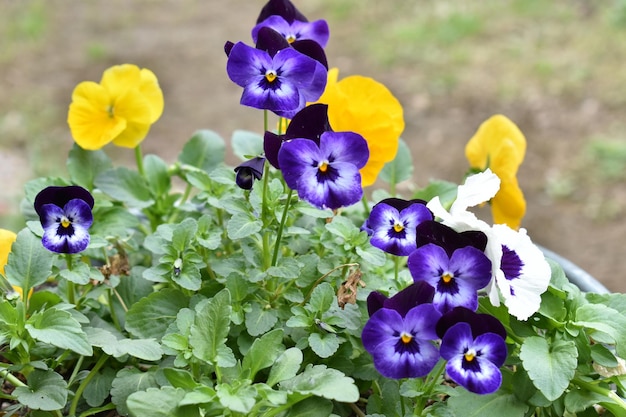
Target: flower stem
429,386
11,379
279,235
70,285
79,392
139,159
615,399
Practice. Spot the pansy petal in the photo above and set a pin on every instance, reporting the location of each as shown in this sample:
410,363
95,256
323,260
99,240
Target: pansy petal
345,147
427,263
381,327
472,265
490,136
118,79
295,156
134,134
79,212
60,195
509,206
150,89
482,378
415,294
245,64
7,238
343,189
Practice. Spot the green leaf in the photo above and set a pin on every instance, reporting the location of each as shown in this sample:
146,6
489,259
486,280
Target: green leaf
205,150
323,382
29,263
180,378
79,274
126,186
285,367
239,397
150,317
46,391
444,189
60,329
160,402
210,329
311,407
322,298
578,400
401,168
259,320
550,367
99,387
246,144
146,349
372,255
600,319
468,404
156,173
242,225
128,381
84,166
324,345
183,233
263,352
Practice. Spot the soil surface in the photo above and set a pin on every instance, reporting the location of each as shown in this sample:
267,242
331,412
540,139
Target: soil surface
182,42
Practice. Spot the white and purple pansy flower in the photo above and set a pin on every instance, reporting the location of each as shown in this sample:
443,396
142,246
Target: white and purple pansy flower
473,344
296,30
400,332
456,272
393,223
275,77
522,273
65,215
325,173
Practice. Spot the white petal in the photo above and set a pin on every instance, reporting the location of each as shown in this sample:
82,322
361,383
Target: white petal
477,189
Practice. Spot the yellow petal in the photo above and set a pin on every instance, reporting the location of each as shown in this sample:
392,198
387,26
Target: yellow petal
503,161
7,238
149,87
365,106
508,206
90,116
118,79
133,107
132,136
488,139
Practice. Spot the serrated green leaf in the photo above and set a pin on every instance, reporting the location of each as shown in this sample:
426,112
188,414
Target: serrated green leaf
468,404
205,150
155,170
46,391
605,320
84,166
322,298
285,367
401,168
79,274
242,225
60,329
239,397
210,329
323,382
246,144
29,263
146,349
160,402
550,367
260,320
126,186
150,317
128,381
263,352
324,345
183,233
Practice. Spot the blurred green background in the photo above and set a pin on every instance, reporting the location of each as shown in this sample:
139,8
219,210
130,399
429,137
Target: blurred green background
556,68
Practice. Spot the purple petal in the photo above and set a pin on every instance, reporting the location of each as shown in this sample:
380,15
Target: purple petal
471,265
317,31
283,8
339,187
427,263
457,293
271,145
421,321
448,238
380,328
246,65
394,230
299,69
59,196
309,123
270,41
313,50
412,296
66,230
295,157
479,323
345,147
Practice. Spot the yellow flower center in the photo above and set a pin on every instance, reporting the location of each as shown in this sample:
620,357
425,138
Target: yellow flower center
398,227
110,111
470,355
447,277
323,166
65,222
291,38
270,75
406,338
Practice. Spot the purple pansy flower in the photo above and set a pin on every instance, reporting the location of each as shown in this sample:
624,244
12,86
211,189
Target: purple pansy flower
473,344
248,171
65,215
393,222
308,123
325,174
275,79
400,333
296,30
456,277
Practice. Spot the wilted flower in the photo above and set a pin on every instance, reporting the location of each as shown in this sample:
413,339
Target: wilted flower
325,174
473,344
365,106
65,215
120,109
275,77
500,145
249,171
400,332
393,223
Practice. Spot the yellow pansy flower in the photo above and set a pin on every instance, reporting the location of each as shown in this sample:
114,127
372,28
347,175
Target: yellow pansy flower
498,144
120,109
365,106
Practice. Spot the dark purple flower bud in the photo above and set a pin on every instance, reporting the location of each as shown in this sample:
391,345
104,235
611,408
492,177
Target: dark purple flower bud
249,171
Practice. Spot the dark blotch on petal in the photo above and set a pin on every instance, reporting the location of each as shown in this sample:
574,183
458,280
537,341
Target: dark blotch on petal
511,264
431,231
311,49
271,41
283,8
479,323
413,295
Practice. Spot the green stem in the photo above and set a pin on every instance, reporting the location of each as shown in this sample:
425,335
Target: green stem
12,379
70,285
616,399
92,411
396,267
265,218
79,392
431,382
279,235
183,199
139,159
79,363
366,206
